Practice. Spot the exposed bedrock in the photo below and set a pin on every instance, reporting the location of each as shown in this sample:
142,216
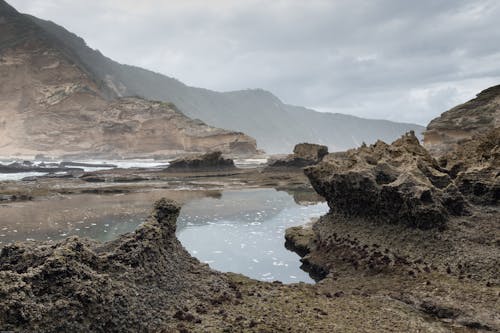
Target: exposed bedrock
304,154
396,183
206,162
133,284
479,115
475,167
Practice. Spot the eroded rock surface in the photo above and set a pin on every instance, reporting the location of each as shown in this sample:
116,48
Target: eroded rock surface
207,162
450,275
397,183
136,283
475,167
464,121
304,154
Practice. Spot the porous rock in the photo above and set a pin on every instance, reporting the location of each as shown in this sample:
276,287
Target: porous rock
396,183
475,167
132,284
206,162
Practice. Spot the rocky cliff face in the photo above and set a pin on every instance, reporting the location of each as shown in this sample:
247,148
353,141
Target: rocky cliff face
51,102
276,126
462,122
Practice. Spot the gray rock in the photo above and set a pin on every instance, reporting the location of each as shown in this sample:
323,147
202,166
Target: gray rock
397,183
206,162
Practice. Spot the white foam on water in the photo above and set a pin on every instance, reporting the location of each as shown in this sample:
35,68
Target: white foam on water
20,175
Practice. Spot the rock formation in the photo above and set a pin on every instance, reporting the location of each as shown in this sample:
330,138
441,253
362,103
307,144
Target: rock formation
50,102
462,122
304,154
475,167
396,183
207,162
135,283
446,267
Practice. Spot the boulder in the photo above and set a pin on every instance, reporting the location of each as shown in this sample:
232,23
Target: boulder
207,162
310,151
396,183
304,154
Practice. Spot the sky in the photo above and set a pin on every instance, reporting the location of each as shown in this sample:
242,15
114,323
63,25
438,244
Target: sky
388,59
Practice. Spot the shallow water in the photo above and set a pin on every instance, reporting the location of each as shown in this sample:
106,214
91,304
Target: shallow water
243,232
240,231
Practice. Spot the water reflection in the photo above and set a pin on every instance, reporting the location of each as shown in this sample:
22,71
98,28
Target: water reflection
239,230
243,232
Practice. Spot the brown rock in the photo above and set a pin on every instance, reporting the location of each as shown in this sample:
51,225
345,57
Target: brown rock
206,162
304,154
464,121
397,183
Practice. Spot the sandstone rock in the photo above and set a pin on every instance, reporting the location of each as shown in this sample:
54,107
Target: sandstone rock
397,183
68,110
206,162
304,154
464,121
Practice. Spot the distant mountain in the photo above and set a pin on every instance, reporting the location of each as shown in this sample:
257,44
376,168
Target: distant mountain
276,126
52,102
463,121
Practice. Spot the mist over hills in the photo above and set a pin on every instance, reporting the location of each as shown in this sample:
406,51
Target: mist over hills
276,126
51,103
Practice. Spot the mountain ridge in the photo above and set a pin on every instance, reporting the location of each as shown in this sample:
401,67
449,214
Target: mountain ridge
51,103
276,126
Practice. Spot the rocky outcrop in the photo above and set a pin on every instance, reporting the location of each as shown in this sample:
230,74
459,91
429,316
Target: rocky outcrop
304,154
135,283
51,103
398,183
464,121
207,162
475,167
29,167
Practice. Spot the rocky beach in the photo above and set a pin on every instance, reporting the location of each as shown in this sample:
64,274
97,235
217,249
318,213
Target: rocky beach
132,202
403,236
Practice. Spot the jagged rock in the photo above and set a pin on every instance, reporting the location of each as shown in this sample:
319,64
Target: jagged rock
397,183
132,284
304,154
476,116
206,162
475,167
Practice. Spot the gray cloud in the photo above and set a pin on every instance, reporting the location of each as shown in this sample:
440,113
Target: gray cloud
399,60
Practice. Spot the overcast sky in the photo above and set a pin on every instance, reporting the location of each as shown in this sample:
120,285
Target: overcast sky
393,59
